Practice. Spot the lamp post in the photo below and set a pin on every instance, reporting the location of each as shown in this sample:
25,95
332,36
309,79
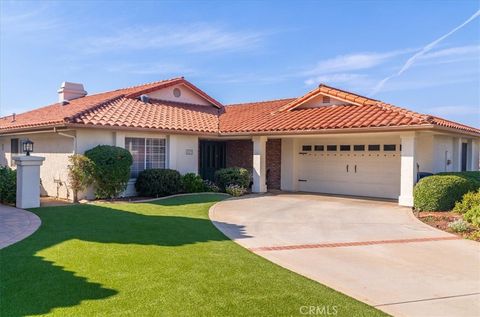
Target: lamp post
27,146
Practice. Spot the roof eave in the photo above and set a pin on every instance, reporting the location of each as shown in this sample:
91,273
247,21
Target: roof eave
354,130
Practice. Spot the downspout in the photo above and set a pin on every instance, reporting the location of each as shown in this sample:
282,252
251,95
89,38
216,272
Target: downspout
68,136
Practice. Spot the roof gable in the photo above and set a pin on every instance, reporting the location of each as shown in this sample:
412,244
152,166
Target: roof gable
324,90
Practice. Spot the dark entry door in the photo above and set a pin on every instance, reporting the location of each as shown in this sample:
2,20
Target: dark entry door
212,157
464,156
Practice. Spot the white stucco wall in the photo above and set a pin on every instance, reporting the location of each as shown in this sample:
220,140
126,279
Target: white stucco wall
425,152
187,95
183,153
54,172
442,153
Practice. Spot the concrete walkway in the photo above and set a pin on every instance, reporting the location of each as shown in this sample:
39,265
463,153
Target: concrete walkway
374,251
16,224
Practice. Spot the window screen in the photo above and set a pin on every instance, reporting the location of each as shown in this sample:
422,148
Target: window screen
331,147
344,147
319,148
14,148
147,153
374,147
306,147
389,147
359,147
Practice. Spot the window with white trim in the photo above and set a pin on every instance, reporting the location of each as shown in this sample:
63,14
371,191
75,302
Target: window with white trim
147,153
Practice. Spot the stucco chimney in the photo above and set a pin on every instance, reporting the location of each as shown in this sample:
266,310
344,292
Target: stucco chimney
70,91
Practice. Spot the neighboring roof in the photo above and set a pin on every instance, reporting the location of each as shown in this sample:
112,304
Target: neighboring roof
122,108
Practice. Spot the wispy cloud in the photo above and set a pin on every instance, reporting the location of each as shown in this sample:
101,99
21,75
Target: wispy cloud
421,53
446,111
29,18
352,62
192,38
451,55
338,78
151,68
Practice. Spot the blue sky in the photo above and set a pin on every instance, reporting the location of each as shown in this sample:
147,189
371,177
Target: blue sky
247,50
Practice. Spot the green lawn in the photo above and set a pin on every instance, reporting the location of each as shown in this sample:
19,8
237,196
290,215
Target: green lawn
163,258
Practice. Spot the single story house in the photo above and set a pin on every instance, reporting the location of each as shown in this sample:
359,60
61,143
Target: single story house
326,141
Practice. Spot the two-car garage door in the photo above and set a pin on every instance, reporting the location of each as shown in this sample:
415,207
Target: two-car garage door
361,169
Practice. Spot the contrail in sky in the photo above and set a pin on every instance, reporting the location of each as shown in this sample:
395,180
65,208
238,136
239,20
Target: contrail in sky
424,50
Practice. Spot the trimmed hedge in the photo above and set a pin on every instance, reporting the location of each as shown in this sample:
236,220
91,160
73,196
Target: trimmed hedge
440,192
192,183
8,185
232,176
158,182
110,169
472,176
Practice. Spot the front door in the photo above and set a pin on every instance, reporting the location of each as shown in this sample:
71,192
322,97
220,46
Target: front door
212,157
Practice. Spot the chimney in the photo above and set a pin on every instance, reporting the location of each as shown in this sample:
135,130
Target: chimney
69,91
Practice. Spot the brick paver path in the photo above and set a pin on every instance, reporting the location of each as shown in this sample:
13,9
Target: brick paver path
16,224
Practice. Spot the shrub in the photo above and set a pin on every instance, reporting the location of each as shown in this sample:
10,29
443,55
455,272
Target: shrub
235,190
440,192
110,169
210,186
158,182
473,216
192,183
232,176
472,176
8,185
469,200
458,225
79,173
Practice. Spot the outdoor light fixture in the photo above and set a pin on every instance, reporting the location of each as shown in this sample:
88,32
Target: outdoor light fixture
27,146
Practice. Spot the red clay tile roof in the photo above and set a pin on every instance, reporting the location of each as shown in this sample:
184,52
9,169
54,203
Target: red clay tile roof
121,108
57,114
284,116
157,114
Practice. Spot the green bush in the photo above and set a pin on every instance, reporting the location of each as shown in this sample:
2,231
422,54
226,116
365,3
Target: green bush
472,176
469,200
110,169
440,192
473,216
158,182
192,183
232,176
79,173
8,185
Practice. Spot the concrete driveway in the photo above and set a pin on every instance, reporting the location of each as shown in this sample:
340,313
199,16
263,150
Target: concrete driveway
374,251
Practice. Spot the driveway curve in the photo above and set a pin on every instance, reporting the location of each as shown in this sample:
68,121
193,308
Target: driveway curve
374,251
16,224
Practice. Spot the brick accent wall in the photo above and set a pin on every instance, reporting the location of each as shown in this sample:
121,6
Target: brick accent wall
274,159
240,154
